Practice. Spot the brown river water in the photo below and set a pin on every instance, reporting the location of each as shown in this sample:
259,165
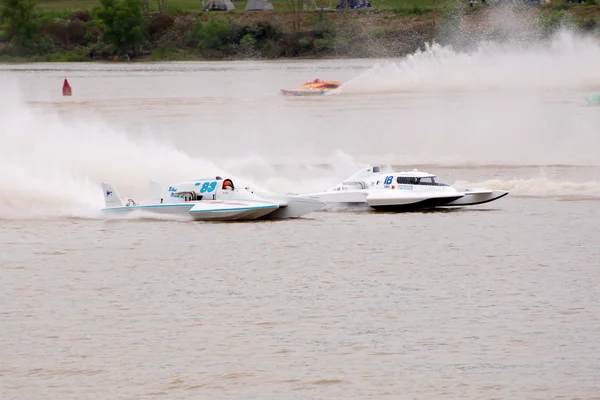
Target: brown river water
497,301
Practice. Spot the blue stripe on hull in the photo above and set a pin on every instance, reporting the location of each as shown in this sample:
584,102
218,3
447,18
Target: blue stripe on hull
147,206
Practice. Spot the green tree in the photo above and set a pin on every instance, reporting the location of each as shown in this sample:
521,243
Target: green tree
20,20
122,24
213,34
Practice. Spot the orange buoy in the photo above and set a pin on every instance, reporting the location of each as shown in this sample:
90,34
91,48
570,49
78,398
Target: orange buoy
66,88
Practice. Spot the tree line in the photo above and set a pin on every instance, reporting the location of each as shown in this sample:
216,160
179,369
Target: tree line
25,31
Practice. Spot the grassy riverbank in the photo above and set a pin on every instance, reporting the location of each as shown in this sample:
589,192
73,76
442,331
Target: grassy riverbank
83,30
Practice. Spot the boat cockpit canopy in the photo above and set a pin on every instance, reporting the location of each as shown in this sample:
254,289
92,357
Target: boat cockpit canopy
227,184
428,180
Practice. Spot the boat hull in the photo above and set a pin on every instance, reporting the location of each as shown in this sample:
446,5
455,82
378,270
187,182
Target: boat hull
229,210
304,92
204,211
400,200
165,209
387,200
477,196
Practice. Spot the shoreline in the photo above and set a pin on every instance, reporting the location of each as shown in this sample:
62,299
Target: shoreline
272,35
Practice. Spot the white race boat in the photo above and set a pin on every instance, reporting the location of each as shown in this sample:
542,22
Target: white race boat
401,191
214,199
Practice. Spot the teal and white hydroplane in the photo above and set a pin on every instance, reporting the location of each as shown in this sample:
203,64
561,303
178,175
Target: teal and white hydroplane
213,199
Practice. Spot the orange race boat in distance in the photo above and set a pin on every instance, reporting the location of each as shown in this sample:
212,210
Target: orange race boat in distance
314,87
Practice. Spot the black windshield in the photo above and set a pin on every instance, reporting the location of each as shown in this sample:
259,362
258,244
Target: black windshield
428,180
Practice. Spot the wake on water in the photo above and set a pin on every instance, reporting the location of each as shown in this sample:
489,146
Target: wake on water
504,48
567,61
52,165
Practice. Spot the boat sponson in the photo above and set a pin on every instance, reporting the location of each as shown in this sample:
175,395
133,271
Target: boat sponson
476,197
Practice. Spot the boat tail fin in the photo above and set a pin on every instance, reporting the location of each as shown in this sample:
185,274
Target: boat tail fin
159,194
111,197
